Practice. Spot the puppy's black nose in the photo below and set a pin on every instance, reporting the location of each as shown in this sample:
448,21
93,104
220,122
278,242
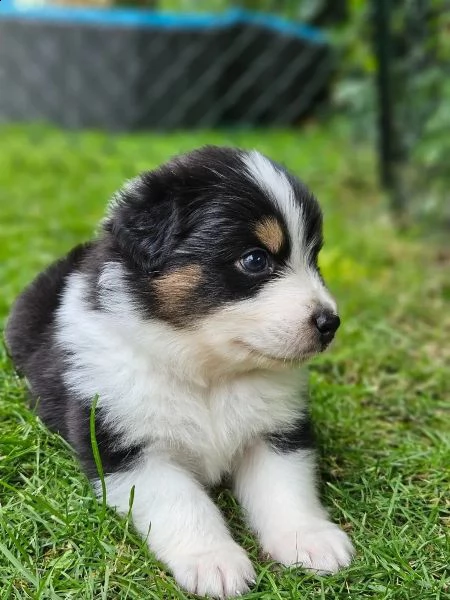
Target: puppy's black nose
327,324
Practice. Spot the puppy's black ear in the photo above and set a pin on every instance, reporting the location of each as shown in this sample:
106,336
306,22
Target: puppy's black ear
144,221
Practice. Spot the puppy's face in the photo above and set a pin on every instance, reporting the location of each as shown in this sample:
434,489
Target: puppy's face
222,245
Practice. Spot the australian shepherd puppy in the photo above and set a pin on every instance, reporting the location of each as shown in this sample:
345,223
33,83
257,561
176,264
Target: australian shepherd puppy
189,318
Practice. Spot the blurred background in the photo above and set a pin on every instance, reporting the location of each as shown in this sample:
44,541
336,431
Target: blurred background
116,66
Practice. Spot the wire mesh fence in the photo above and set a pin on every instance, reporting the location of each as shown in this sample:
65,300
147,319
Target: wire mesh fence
125,70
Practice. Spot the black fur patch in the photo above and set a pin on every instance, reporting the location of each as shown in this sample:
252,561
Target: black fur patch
34,310
114,456
298,437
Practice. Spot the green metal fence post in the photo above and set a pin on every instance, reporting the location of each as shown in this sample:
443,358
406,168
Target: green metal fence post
383,50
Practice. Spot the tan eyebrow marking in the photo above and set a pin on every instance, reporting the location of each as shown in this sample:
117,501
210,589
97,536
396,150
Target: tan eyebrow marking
270,233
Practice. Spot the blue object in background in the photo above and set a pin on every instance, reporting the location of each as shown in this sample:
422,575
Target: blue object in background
163,19
125,69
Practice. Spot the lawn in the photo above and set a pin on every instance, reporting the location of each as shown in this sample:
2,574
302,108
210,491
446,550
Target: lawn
380,396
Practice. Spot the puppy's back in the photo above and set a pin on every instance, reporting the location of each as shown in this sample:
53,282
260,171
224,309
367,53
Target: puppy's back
34,310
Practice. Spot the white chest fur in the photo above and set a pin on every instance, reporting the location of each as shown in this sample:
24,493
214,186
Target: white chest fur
150,393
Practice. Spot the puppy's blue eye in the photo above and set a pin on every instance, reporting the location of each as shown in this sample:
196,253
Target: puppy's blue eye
255,262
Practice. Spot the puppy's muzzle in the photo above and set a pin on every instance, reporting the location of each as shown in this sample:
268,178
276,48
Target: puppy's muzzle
326,323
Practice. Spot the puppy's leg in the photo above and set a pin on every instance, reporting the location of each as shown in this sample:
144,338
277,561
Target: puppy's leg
276,486
184,527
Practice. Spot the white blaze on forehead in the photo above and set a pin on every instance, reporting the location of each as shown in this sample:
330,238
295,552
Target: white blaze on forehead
276,185
305,282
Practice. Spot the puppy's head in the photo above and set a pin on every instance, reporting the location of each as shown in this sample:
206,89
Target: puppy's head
222,245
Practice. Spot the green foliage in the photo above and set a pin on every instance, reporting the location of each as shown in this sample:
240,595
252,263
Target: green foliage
354,90
421,95
379,396
422,106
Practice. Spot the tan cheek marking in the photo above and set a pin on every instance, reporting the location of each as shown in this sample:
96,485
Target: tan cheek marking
174,289
270,234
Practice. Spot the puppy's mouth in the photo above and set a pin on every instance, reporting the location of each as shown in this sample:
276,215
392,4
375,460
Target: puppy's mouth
278,360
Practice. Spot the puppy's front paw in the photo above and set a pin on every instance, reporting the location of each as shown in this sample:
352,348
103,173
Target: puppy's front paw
319,546
221,572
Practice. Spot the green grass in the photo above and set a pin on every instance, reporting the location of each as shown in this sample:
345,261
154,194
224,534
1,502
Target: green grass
380,396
